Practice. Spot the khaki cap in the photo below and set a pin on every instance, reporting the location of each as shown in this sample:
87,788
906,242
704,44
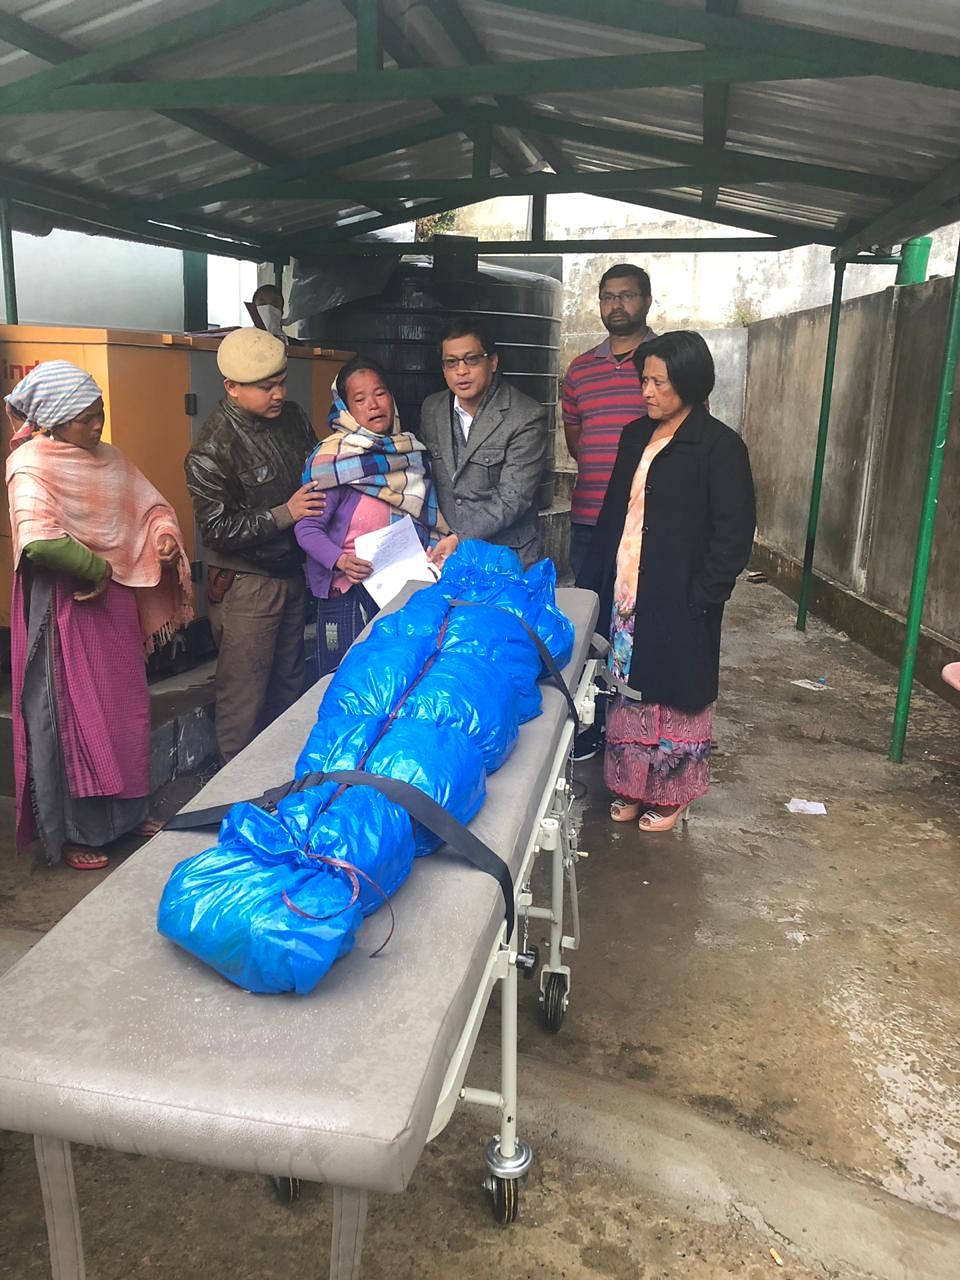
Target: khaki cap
249,355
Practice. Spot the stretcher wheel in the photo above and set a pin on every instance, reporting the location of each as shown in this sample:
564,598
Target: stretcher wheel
554,1001
287,1189
506,1200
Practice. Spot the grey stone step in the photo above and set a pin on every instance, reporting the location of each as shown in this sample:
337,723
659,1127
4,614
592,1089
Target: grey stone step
15,943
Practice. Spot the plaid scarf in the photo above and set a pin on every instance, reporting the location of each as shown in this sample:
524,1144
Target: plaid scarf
393,467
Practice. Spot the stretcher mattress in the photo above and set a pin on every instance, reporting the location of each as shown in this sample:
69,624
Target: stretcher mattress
114,1037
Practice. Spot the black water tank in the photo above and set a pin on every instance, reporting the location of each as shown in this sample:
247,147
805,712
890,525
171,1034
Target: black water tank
400,329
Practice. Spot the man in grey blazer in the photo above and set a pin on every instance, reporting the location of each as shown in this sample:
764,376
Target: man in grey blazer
487,445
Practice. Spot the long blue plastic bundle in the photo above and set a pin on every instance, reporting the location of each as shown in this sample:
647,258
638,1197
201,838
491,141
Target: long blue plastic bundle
434,697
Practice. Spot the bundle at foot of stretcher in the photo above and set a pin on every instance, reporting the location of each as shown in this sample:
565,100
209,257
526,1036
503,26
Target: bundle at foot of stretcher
434,698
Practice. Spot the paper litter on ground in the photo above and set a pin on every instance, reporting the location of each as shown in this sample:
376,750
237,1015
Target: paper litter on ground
810,684
806,806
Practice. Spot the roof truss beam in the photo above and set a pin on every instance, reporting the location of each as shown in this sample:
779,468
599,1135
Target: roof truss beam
58,51
746,167
459,191
314,168
369,20
825,53
344,236
716,103
932,205
460,32
204,24
562,75
725,217
687,244
406,54
38,193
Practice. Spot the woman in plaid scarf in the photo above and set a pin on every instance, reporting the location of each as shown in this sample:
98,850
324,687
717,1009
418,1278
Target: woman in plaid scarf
373,473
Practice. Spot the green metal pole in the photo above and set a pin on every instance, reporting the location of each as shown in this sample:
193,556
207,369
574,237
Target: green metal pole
10,312
538,218
825,396
914,256
194,291
928,515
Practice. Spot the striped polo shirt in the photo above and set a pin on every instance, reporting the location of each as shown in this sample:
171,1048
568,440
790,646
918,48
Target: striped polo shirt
600,395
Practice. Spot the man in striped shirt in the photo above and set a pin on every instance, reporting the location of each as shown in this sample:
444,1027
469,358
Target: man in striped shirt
601,393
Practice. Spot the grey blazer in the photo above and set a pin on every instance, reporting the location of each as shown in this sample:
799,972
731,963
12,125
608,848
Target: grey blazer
491,493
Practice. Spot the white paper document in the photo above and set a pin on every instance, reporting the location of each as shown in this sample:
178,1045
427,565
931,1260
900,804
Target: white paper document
397,556
806,806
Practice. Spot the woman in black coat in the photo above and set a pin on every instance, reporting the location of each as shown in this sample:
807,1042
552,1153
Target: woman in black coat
675,529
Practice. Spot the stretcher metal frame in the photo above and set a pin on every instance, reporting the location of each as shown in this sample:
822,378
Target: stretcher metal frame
507,1156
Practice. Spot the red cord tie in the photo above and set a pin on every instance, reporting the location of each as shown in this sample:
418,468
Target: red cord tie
354,875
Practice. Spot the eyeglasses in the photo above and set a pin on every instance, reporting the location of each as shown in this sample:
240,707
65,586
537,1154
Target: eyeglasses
471,361
628,295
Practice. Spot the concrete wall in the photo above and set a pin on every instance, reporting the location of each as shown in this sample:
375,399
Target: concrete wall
888,365
903,465
729,350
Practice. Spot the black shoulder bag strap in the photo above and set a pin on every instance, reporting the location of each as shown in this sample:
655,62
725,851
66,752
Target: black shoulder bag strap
419,806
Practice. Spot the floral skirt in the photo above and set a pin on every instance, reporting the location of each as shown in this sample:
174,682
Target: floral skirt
657,754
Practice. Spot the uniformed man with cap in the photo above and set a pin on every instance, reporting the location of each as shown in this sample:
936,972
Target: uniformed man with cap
243,473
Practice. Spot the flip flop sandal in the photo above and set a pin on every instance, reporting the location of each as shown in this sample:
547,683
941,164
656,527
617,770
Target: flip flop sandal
150,827
82,859
624,811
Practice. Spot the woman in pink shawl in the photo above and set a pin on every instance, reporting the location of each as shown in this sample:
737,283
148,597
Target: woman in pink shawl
100,577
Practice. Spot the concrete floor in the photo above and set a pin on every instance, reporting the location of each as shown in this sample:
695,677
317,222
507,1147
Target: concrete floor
760,1051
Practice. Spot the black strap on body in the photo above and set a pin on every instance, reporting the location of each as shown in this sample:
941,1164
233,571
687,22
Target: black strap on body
419,806
200,819
614,685
546,657
443,825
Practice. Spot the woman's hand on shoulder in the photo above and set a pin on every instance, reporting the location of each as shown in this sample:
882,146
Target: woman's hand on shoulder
84,597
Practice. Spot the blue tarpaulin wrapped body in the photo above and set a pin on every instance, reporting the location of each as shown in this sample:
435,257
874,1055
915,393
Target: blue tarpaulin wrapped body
434,698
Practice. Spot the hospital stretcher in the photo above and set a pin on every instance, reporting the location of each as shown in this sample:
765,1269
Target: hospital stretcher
113,1037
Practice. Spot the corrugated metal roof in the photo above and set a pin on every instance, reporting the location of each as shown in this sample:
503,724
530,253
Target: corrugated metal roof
115,166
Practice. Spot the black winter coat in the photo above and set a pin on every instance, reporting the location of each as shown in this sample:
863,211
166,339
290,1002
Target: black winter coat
241,472
699,519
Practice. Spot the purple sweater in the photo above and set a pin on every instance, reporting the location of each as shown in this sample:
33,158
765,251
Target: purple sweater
323,537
